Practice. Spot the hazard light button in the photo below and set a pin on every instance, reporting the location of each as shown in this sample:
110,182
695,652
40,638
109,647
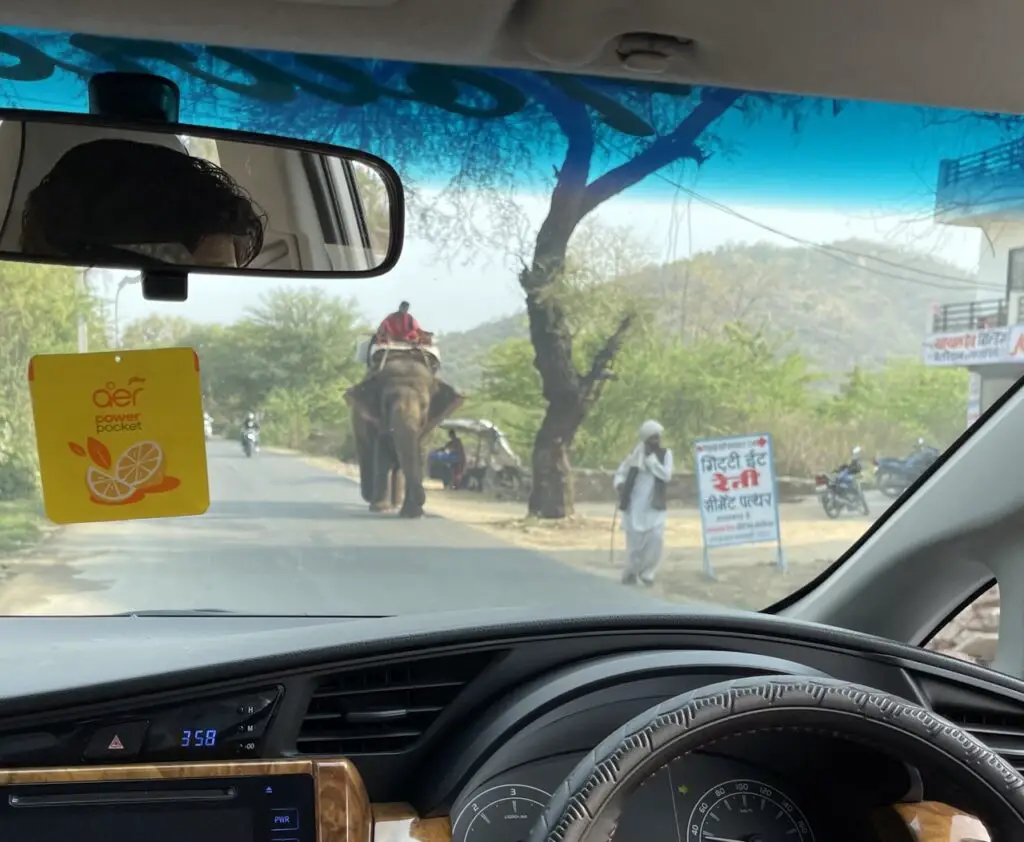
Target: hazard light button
117,742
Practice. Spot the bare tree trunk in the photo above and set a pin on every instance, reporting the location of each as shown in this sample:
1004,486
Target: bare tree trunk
568,392
552,494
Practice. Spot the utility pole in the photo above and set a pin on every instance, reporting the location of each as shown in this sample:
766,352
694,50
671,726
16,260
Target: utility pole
83,324
130,279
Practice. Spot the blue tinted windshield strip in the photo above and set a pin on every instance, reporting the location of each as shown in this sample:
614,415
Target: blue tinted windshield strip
765,147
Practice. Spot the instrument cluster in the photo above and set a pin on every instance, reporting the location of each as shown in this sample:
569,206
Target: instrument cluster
697,798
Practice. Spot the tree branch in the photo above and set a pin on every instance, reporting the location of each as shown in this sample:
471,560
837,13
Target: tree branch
680,143
570,185
603,358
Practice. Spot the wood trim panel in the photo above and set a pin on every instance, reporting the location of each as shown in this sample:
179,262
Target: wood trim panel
156,771
343,809
400,823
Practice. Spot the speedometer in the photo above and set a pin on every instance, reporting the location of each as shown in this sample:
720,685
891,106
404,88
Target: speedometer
746,811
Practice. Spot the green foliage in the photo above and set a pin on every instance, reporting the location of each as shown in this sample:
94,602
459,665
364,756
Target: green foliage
292,356
289,360
19,523
40,308
731,382
740,339
834,308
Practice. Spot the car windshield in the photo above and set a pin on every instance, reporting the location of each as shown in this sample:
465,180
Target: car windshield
700,340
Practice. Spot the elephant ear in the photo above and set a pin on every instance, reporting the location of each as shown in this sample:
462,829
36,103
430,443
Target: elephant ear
443,403
364,398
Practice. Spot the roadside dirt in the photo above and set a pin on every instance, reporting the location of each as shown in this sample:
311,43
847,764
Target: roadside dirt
744,577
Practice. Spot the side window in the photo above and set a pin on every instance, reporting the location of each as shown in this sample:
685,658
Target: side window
972,633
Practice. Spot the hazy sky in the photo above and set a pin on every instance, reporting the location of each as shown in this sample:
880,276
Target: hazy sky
457,297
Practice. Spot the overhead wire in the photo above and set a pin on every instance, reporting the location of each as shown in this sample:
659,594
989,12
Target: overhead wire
838,253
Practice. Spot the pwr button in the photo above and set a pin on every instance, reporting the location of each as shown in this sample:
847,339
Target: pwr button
285,819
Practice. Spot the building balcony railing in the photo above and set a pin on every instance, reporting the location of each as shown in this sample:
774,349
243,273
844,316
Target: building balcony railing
970,315
1003,159
985,185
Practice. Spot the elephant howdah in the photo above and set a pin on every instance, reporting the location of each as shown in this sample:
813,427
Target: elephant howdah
393,409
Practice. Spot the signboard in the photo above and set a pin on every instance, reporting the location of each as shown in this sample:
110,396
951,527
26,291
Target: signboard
968,347
736,491
973,398
120,434
1015,344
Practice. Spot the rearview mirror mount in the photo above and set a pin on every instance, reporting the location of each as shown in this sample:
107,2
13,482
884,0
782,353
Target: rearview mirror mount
128,187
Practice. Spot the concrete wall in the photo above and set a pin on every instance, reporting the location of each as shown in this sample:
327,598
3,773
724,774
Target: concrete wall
994,256
993,388
596,487
973,633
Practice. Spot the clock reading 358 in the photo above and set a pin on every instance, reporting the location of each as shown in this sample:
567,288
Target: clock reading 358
225,727
198,737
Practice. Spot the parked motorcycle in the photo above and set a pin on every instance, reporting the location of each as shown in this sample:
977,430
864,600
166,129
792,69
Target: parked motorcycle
842,491
894,476
250,442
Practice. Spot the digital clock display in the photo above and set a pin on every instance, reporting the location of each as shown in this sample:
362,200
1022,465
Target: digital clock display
198,737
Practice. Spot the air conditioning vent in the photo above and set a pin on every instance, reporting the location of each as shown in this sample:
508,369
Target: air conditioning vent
1001,732
385,708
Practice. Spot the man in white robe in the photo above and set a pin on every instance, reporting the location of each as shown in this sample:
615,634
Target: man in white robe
640,483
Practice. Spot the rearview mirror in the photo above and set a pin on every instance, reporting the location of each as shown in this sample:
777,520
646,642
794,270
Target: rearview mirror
82,192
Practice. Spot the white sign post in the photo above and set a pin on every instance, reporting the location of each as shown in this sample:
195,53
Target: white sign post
973,398
737,494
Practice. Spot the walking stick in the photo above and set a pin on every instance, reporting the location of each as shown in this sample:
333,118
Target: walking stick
611,539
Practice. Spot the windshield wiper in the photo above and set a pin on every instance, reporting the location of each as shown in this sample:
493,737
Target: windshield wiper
224,612
175,612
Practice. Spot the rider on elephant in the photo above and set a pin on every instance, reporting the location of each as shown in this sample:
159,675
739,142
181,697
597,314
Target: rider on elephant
401,326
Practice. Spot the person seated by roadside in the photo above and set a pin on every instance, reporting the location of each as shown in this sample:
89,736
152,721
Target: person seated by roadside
401,326
455,446
122,200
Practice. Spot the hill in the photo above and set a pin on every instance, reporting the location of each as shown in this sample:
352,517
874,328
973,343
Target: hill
852,302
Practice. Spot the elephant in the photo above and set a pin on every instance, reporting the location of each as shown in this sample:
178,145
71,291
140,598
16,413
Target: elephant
393,409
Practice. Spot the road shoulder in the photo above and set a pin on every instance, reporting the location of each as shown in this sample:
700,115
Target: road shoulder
745,577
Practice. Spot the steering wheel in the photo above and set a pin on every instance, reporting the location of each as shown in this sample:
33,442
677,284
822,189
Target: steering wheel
587,806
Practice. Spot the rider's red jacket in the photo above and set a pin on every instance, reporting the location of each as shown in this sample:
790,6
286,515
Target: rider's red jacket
400,327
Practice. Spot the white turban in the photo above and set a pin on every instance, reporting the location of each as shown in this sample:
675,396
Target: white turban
650,428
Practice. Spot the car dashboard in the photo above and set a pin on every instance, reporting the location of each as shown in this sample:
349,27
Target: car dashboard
453,735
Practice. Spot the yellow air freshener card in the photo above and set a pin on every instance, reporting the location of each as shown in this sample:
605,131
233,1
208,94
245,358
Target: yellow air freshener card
120,434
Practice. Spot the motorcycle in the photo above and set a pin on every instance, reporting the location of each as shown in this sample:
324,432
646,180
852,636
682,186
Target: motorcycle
894,476
842,491
250,442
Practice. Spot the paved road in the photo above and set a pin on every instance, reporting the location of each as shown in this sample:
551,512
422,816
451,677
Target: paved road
282,537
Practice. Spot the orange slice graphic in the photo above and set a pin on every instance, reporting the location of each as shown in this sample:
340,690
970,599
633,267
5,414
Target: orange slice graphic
140,465
106,488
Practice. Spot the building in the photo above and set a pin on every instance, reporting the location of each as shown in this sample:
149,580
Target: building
984,334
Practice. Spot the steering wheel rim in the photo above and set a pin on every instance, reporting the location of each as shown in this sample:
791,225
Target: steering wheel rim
587,806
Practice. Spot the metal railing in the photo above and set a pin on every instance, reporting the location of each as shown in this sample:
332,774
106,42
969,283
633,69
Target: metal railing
1007,156
970,315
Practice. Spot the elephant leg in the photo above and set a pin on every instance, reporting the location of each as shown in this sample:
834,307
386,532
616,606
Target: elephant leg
397,486
411,459
384,461
415,496
415,499
366,477
366,446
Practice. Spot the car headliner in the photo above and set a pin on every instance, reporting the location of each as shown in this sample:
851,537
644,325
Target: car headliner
935,52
